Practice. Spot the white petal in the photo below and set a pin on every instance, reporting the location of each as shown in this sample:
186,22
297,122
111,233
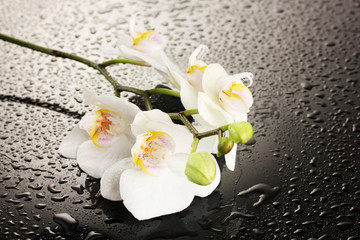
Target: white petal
204,191
211,112
197,54
148,196
90,97
124,108
151,46
110,180
177,164
70,144
208,144
240,117
230,158
109,50
188,94
214,80
181,135
124,40
142,118
94,160
136,25
170,64
152,60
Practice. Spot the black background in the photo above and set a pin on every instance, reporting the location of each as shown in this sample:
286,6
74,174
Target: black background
305,58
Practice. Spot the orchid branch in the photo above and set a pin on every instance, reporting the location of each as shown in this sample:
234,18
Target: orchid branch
124,61
101,68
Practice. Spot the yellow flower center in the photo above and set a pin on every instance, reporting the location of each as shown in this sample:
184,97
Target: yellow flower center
196,67
142,36
151,151
102,126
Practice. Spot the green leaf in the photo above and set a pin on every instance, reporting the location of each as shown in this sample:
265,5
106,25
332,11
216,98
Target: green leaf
201,168
224,146
240,132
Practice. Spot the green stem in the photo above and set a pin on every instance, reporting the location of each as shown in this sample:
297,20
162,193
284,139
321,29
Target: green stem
194,145
164,91
188,124
147,101
124,61
190,112
49,51
212,132
186,113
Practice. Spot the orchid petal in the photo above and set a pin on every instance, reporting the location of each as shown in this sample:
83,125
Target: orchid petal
138,126
166,60
133,24
94,160
230,158
121,106
103,126
149,42
240,117
245,77
181,134
110,180
174,76
137,55
197,54
177,164
208,144
214,79
70,144
109,50
124,40
188,94
211,112
236,98
152,150
148,196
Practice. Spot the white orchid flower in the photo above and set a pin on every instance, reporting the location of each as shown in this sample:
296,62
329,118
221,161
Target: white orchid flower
152,182
102,137
221,99
142,45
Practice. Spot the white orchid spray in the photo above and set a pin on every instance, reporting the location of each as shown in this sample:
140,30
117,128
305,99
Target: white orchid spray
157,167
153,182
142,45
220,98
102,135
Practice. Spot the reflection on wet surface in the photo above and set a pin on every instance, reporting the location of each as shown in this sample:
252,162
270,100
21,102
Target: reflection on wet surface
302,166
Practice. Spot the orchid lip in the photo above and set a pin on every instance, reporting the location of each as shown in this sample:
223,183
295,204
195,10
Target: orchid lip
151,151
103,126
236,97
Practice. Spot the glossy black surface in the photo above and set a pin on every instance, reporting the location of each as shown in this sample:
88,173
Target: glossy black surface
297,179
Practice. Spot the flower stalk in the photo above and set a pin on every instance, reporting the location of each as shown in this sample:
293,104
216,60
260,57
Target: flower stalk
101,68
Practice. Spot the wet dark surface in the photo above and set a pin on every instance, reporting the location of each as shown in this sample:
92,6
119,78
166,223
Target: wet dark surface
298,179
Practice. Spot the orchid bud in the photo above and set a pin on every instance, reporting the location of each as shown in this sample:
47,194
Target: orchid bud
240,132
200,168
225,145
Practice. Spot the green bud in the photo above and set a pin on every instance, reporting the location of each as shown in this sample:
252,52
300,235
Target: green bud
224,146
240,132
201,168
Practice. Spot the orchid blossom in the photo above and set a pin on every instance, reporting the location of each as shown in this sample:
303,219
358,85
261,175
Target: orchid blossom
103,136
152,182
142,45
221,99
